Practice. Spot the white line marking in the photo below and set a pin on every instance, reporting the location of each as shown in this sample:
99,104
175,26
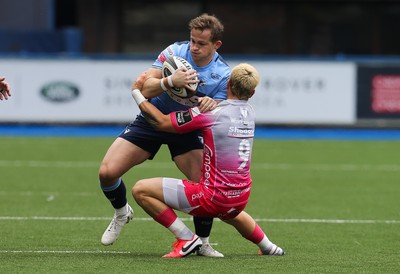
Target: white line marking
72,164
329,221
46,164
328,167
49,195
66,251
167,165
261,220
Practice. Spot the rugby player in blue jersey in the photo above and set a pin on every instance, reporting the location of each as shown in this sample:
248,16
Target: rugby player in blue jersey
140,142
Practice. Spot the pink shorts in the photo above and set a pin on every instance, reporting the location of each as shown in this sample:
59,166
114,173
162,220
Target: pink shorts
188,197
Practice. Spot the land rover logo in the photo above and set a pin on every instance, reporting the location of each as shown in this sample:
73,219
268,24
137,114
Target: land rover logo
60,92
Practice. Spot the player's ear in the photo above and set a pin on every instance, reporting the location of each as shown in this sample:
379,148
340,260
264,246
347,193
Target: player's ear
228,88
217,44
252,93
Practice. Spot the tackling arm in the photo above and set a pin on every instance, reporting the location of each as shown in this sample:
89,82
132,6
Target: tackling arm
155,117
151,86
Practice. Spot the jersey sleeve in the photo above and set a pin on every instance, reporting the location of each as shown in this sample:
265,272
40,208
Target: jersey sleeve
191,120
177,48
163,56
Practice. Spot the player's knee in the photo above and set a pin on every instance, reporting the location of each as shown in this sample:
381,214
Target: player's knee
106,175
138,190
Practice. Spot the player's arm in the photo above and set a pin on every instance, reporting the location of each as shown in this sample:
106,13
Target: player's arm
154,84
5,90
151,85
156,118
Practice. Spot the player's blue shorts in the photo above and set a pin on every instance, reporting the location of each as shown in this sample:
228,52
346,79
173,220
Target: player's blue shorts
142,134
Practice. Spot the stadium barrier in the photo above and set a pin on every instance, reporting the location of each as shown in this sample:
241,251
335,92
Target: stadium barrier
86,90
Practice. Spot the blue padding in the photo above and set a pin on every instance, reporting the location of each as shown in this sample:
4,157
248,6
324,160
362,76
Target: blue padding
111,188
261,132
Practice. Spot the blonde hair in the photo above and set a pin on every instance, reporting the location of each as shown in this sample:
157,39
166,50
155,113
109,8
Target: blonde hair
243,81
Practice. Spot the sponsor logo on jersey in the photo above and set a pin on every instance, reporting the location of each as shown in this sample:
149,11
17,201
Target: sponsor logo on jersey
234,193
207,158
240,132
197,195
243,112
242,121
161,58
183,117
60,92
215,76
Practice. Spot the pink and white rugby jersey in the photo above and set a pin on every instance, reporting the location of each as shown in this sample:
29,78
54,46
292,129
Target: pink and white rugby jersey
228,133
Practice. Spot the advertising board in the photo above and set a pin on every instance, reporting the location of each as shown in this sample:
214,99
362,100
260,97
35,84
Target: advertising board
98,91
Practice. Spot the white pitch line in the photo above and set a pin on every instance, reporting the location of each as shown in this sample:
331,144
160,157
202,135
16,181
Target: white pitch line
260,220
328,167
66,251
49,195
167,165
72,164
329,221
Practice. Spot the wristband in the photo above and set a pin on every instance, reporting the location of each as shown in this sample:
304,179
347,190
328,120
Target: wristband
138,96
164,88
170,83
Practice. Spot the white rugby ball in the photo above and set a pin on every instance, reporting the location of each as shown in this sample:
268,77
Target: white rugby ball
171,64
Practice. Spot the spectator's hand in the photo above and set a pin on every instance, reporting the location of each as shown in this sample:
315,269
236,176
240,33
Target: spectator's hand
183,77
206,104
139,82
5,90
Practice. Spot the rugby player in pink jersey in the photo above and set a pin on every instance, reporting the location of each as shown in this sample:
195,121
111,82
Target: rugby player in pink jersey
224,188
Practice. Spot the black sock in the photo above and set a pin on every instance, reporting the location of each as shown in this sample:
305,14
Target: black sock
203,226
116,194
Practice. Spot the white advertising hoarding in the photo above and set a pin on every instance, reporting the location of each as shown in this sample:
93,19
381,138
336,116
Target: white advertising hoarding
305,92
70,90
98,91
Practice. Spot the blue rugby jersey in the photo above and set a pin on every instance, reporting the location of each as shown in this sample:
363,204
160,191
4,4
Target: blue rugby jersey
213,79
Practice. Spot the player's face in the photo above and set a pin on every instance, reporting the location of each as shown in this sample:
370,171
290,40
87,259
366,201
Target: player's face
201,47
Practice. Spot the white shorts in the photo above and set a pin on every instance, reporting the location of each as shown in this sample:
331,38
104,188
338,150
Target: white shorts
175,196
188,197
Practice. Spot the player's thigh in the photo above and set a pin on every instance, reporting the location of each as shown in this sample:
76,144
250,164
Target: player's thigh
176,194
120,157
151,187
190,163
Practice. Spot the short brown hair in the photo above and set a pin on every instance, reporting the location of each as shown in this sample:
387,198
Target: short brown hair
243,81
210,22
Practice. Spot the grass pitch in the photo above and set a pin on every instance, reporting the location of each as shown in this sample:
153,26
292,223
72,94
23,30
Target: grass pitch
332,205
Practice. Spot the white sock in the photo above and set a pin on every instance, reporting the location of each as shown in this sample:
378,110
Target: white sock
205,240
180,230
122,211
265,244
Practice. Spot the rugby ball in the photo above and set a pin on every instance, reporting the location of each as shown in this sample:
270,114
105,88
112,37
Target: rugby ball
171,64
